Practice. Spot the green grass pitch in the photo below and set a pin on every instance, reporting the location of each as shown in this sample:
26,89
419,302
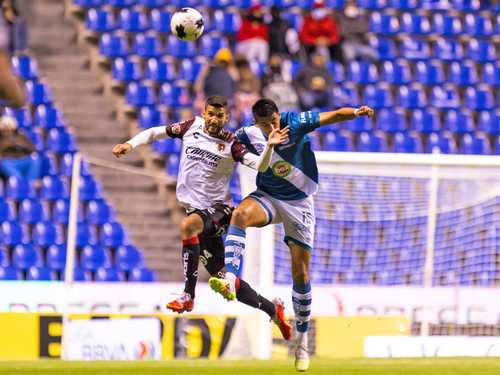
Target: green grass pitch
440,366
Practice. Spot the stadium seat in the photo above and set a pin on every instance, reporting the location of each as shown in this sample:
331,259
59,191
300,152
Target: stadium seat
32,211
175,95
168,146
448,50
107,274
478,25
210,44
391,120
37,93
142,274
26,256
94,257
112,235
140,94
463,73
404,5
416,24
372,4
396,72
372,142
133,21
126,70
9,273
475,144
446,25
22,116
444,142
346,95
481,51
362,72
87,4
148,45
56,257
36,137
46,234
411,97
489,122
89,188
100,21
336,69
53,188
66,166
337,142
128,257
425,121
151,117
7,211
4,258
48,117
430,73
385,47
160,20
113,45
381,23
19,189
378,96
60,211
172,166
13,234
480,98
122,3
414,49
160,71
491,74
226,22
459,122
293,18
445,97
407,143
60,141
466,5
180,49
189,69
40,274
497,145
153,4
98,212
25,67
85,235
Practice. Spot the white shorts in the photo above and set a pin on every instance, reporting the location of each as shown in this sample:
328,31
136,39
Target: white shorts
297,217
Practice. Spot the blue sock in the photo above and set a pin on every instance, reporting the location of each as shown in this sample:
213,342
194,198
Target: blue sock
234,248
302,298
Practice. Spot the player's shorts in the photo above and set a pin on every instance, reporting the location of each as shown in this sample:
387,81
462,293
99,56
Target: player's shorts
212,254
215,219
297,217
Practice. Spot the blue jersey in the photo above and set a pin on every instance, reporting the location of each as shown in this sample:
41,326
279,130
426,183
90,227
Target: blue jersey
293,172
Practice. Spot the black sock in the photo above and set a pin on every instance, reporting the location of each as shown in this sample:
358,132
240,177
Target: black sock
190,258
248,296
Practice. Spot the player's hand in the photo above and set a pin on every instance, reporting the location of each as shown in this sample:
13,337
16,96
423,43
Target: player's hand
278,136
364,111
121,149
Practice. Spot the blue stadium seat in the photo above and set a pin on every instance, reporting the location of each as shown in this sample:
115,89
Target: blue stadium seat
381,23
445,97
396,72
391,120
49,164
447,25
172,166
337,142
168,146
407,143
425,121
430,73
346,95
466,5
372,142
448,50
94,257
358,125
210,44
372,4
475,144
113,45
362,72
404,5
112,235
481,51
126,70
414,49
415,24
148,45
36,137
66,166
26,256
37,93
176,96
491,74
336,69
40,274
98,212
13,234
19,189
480,98
497,145
459,122
7,211
378,96
133,21
87,4
151,117
128,257
444,142
56,257
385,47
463,73
160,20
226,22
22,116
100,21
122,3
142,274
89,189
217,4
45,234
47,116
85,235
478,25
53,188
293,18
160,70
152,4
411,97
25,67
180,49
104,274
32,211
60,141
189,69
489,122
60,211
9,273
4,258
140,94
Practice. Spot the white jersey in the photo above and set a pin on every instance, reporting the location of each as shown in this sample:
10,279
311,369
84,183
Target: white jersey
206,164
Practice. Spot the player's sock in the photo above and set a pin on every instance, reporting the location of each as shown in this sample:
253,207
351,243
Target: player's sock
247,295
234,248
302,298
190,258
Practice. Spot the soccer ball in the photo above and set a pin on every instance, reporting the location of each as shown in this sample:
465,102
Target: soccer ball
187,24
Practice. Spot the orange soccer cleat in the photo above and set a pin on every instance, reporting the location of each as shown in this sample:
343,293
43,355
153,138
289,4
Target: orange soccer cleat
181,304
280,320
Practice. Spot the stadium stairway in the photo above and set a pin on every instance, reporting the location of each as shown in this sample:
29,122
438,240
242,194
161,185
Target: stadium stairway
88,115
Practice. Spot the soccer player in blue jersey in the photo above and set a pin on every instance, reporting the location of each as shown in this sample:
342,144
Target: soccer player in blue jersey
283,195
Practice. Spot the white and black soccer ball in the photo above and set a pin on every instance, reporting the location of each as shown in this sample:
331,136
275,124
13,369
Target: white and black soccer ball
187,24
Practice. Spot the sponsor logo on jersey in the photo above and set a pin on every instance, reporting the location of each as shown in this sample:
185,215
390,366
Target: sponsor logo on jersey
281,168
204,156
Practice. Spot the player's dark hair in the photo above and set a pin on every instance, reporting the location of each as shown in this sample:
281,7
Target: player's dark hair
264,108
216,101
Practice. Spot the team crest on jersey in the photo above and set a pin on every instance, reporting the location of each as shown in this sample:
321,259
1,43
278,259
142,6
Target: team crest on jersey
281,169
221,147
176,129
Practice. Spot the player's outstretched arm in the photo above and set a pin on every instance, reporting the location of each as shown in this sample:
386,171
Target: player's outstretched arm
344,114
143,138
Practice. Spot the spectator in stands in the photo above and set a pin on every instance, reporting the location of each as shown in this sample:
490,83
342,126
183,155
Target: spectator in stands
218,78
17,157
354,23
248,89
313,83
278,87
320,32
16,26
253,36
11,88
283,40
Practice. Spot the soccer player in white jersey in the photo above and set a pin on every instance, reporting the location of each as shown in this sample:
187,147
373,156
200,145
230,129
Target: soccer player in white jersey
283,196
206,165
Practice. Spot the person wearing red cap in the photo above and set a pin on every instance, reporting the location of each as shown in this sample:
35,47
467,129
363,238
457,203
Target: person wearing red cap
253,36
321,30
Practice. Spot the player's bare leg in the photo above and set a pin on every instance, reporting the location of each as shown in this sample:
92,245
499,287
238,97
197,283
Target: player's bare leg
301,298
191,226
249,213
11,88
